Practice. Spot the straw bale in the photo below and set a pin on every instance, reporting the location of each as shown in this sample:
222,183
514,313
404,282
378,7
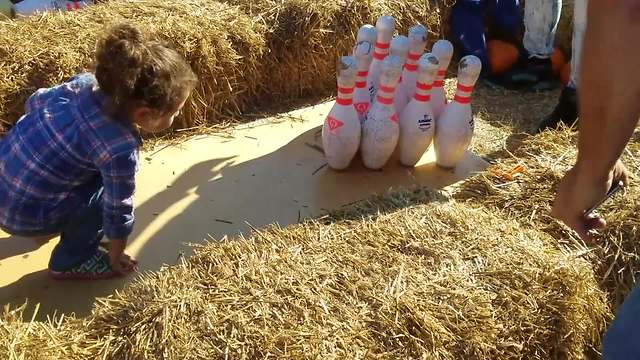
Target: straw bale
220,41
435,280
269,52
306,37
528,198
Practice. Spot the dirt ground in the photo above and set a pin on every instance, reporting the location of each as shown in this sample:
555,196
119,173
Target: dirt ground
216,186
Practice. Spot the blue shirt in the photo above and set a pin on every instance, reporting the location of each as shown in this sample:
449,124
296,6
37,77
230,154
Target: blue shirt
59,152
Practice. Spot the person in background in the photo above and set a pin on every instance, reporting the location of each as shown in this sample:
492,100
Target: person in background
68,165
566,110
468,21
526,65
609,109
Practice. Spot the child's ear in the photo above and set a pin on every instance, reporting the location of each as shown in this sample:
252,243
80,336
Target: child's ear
142,115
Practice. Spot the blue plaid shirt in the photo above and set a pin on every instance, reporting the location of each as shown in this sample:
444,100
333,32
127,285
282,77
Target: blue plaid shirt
52,159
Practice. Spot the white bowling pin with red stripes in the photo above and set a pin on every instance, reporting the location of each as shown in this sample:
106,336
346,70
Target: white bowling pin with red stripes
385,27
341,130
455,126
417,124
443,50
367,32
400,48
380,129
363,53
417,44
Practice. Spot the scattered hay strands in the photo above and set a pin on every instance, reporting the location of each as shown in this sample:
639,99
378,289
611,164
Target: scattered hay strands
377,281
528,198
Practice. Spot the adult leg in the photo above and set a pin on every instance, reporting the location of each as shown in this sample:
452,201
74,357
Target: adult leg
541,19
505,20
566,111
467,29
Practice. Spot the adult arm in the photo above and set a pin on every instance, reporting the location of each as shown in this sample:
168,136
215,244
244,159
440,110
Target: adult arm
609,108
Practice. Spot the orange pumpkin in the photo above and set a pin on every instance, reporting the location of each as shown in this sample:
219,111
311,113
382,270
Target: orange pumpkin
558,61
502,55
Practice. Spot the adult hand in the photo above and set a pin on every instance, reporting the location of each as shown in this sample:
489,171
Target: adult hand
578,191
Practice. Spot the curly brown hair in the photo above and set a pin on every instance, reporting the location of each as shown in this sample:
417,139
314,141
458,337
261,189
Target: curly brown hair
134,71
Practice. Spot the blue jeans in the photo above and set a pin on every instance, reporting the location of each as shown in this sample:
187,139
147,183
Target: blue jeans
622,339
467,24
80,233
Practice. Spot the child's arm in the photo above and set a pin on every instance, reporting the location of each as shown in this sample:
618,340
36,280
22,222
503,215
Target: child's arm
118,176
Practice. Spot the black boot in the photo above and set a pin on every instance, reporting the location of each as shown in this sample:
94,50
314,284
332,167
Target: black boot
565,112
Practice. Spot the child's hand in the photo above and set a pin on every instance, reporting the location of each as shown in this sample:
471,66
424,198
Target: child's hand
121,263
128,263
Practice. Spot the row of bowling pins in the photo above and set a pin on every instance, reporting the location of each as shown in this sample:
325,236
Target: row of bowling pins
403,113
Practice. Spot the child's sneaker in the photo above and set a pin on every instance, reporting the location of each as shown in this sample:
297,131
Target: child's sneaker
95,268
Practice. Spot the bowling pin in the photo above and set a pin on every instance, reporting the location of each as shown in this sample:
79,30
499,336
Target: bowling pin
400,48
385,27
363,52
341,130
380,129
443,50
417,125
367,32
417,44
455,126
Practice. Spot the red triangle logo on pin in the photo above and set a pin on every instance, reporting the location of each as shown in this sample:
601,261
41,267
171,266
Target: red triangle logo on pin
362,108
334,124
394,118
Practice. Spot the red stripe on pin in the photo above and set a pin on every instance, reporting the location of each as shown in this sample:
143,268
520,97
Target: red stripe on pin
422,98
381,45
413,56
384,100
343,90
442,72
362,73
361,84
341,101
423,86
386,88
465,88
379,56
438,83
462,99
410,67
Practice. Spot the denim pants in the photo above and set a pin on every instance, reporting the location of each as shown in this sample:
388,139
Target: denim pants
621,341
541,19
80,233
467,24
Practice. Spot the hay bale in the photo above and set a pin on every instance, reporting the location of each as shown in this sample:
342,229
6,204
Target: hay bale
433,280
248,54
306,37
528,197
220,42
